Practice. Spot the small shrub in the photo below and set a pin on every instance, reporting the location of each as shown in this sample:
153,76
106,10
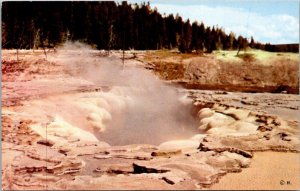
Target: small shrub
247,57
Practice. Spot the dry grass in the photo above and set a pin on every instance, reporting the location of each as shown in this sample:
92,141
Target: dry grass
259,55
167,55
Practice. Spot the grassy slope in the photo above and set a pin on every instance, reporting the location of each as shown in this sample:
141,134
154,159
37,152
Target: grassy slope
256,69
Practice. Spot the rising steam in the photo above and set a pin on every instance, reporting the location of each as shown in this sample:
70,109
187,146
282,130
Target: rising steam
138,108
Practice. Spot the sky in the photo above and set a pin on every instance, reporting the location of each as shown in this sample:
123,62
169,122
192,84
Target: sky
268,21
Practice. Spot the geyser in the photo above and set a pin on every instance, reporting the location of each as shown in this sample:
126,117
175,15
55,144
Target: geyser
150,119
139,107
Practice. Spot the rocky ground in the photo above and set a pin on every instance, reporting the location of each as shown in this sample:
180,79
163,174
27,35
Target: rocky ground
52,114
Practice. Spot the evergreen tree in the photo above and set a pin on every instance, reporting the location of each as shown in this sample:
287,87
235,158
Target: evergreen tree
186,37
109,25
252,43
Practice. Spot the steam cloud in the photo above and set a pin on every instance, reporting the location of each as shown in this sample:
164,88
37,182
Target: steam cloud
138,108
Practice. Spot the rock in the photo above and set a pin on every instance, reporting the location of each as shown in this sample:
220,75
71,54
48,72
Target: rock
69,165
205,112
243,161
116,169
215,121
256,142
264,128
88,149
166,153
28,165
138,169
43,153
168,180
203,147
203,174
46,142
245,127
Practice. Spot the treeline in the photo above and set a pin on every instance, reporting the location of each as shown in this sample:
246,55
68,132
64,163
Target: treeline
282,47
109,25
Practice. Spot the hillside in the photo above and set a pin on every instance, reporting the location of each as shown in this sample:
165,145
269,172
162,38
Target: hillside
250,71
